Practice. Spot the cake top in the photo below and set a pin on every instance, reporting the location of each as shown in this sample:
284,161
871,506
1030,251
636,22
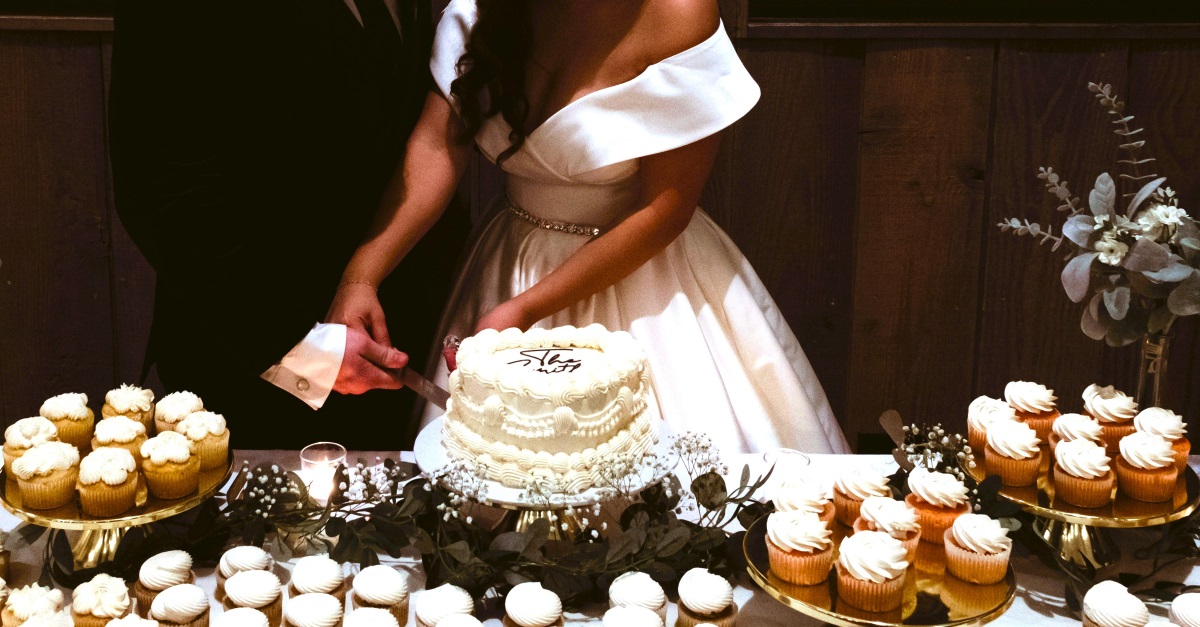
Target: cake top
113,466
979,534
168,446
1142,450
1110,603
381,585
860,483
938,488
252,588
985,410
44,459
316,573
799,531
370,617
176,406
1161,422
201,424
1082,458
890,516
166,569
30,432
1108,404
313,610
1014,440
104,596
442,601
241,558
34,599
70,406
1076,427
129,398
1029,397
543,359
530,605
241,617
119,430
805,495
636,588
873,556
179,604
704,593
631,616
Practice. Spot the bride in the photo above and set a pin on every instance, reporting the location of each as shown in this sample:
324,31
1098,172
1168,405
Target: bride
606,117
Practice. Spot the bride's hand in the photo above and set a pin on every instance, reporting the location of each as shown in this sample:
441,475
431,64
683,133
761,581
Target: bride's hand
357,306
506,315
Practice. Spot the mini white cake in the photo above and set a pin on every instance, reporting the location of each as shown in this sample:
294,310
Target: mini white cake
545,403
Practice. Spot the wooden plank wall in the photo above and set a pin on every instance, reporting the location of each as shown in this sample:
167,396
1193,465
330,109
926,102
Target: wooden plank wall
865,188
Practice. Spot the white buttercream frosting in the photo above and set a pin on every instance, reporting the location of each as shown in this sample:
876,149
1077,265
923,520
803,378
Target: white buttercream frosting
980,534
1142,450
119,430
381,585
200,425
168,446
860,483
442,601
799,531
313,610
252,588
985,410
316,573
57,619
176,406
1109,604
459,620
241,617
169,568
1161,422
132,620
704,593
1014,440
872,556
1076,427
71,406
1108,404
631,616
113,466
937,488
1082,458
370,617
1185,609
1028,397
531,605
44,459
636,588
805,495
29,432
129,398
34,599
104,596
890,516
241,558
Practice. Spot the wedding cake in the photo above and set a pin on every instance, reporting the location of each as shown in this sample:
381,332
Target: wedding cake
547,404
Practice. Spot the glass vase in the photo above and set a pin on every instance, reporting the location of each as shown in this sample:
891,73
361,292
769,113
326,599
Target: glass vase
1152,374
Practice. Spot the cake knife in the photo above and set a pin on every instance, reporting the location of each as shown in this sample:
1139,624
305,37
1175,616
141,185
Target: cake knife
424,387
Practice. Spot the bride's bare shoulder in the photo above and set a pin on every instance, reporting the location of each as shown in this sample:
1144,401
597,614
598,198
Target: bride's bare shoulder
668,27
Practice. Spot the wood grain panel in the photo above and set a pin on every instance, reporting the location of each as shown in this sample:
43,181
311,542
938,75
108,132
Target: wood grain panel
1045,116
923,152
792,192
54,278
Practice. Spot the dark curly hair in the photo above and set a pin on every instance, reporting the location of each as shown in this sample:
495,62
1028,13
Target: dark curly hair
492,71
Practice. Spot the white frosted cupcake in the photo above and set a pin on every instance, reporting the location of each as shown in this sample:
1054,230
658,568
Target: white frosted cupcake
208,434
313,610
382,587
531,605
977,549
853,486
371,617
242,617
1082,476
107,482
25,602
170,465
238,559
175,407
871,571
1034,404
445,600
895,518
94,603
938,498
256,589
120,432
162,571
1146,468
1169,426
182,605
638,589
1113,410
131,401
981,413
705,598
799,546
132,620
1074,427
631,616
806,495
1014,453
46,475
1109,604
460,620
317,574
25,434
1185,610
71,416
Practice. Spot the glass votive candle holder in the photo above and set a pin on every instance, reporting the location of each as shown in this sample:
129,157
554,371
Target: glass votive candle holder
318,462
788,465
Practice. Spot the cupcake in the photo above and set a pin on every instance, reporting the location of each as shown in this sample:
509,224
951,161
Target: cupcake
256,589
628,616
871,571
705,598
100,600
1014,452
1113,410
938,499
25,434
175,407
799,547
1074,427
317,574
1082,476
982,412
184,604
171,466
977,549
120,432
208,434
371,617
895,518
46,475
1145,470
1109,604
805,495
169,568
531,605
132,620
239,559
445,600
382,587
242,617
851,487
71,416
312,610
1185,610
461,620
28,601
638,589
107,482
1034,404
132,402
1168,425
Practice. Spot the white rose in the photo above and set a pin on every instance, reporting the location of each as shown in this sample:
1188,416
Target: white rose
1111,250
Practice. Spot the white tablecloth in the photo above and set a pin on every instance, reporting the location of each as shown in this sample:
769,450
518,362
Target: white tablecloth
1039,589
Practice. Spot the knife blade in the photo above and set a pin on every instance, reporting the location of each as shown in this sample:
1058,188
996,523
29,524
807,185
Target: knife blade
424,387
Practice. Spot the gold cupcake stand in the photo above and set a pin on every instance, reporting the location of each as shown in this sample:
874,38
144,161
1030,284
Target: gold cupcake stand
932,596
99,537
1079,533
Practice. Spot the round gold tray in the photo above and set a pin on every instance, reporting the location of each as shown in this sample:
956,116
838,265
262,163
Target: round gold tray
932,596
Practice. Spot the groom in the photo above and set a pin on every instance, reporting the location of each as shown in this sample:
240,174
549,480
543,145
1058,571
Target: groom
251,142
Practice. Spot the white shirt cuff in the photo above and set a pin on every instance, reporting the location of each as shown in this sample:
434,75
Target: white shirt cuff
309,370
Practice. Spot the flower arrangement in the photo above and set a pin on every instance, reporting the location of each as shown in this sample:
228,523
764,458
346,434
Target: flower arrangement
1140,263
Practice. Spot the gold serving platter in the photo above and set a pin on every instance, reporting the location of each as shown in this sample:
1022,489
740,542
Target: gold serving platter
932,596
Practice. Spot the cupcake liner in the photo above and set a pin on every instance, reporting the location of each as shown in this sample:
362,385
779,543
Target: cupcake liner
724,618
11,455
1013,472
172,480
213,451
105,501
134,447
399,610
817,595
846,507
88,620
1111,434
273,610
909,541
1082,491
977,438
1054,439
868,595
1150,486
1042,423
974,567
934,520
804,569
77,433
49,491
1182,448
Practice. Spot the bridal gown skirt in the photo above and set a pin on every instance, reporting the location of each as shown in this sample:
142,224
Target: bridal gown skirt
723,360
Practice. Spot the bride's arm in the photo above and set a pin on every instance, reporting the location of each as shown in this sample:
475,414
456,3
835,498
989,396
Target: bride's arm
671,185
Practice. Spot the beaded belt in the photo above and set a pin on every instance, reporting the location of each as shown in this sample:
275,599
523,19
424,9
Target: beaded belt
551,225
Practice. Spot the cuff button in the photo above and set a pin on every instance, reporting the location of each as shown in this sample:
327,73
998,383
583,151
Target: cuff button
302,385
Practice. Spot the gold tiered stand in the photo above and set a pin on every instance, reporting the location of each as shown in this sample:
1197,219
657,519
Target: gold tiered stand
97,543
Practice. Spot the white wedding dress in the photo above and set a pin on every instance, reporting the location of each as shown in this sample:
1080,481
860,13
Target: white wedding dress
722,358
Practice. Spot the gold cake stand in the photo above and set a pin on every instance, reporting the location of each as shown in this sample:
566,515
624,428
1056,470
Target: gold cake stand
100,537
1078,533
932,596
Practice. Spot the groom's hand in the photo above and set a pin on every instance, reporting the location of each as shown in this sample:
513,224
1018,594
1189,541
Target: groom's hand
368,365
357,306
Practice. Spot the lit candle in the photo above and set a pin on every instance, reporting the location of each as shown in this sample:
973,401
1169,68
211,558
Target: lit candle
317,464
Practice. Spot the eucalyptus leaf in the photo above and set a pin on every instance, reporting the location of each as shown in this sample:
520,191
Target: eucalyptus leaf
1117,302
1190,242
1077,276
709,489
1079,229
1143,194
1090,323
460,550
1185,299
1147,255
1173,273
624,545
673,541
745,475
1102,200
513,541
1159,319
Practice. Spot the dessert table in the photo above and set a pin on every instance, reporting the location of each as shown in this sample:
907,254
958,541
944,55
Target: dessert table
1039,598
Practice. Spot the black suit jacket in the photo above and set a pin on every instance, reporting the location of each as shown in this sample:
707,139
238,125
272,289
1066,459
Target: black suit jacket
251,142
